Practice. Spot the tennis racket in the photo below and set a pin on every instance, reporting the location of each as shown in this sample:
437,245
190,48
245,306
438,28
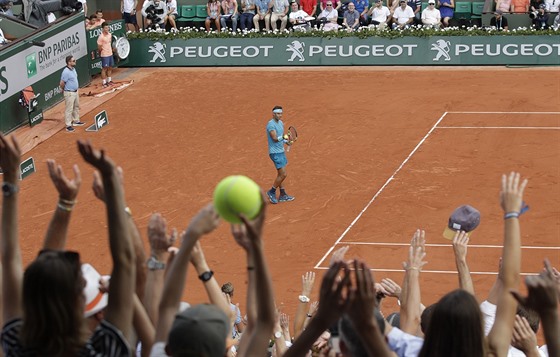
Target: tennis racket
292,137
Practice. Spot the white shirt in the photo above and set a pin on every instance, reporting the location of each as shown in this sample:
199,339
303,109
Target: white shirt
299,16
404,344
158,350
172,5
128,6
2,38
552,5
403,16
380,14
431,16
333,14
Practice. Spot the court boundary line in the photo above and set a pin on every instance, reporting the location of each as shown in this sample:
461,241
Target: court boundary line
502,127
381,189
432,129
447,245
435,271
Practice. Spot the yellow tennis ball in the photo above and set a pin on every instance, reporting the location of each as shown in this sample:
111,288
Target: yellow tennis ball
235,195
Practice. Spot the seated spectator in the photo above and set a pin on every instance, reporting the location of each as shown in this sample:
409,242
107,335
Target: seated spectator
246,18
309,6
556,24
416,6
380,15
154,12
337,4
279,11
403,16
213,9
171,14
362,6
351,18
6,7
91,22
328,18
229,13
446,10
540,22
299,18
521,6
499,21
263,14
431,16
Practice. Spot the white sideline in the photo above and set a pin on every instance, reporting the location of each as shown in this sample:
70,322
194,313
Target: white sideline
381,190
437,271
446,245
501,127
435,126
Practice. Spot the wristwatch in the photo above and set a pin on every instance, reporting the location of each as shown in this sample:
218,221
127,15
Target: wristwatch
304,298
277,334
154,264
207,275
9,189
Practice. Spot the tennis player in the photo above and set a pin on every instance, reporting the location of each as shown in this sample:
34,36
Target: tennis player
276,141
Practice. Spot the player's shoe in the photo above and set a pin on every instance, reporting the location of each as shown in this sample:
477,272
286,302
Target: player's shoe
272,197
70,129
78,123
286,198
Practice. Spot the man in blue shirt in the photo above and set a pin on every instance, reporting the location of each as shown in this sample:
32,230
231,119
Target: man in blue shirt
69,84
276,141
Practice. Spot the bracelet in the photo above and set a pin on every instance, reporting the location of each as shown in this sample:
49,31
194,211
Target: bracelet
67,202
250,268
63,207
309,315
511,215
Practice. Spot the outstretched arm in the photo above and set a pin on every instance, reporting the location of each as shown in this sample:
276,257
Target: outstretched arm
307,281
460,243
511,198
203,223
410,304
68,189
121,290
12,271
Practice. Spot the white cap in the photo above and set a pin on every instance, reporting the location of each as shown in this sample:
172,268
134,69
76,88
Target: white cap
95,299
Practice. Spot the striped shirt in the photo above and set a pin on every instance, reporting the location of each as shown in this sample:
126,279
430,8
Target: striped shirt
106,341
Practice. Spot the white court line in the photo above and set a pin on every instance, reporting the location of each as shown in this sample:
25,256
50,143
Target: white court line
501,127
436,271
381,190
536,113
446,245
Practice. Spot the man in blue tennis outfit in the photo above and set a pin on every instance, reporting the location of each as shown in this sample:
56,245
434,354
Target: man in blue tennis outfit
276,141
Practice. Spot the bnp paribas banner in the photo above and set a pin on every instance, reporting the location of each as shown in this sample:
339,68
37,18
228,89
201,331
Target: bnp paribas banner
313,51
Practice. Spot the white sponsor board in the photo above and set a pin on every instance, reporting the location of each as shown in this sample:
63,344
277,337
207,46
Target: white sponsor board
35,63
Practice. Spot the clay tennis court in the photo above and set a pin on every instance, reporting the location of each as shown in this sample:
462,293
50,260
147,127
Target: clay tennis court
381,152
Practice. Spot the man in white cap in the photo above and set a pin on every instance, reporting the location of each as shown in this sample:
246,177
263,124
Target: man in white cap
431,16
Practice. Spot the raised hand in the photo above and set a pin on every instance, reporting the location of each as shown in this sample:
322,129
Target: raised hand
67,188
254,227
10,157
362,296
239,233
542,290
416,252
338,255
97,186
205,221
333,301
284,321
197,259
460,243
96,158
160,241
511,196
390,288
307,281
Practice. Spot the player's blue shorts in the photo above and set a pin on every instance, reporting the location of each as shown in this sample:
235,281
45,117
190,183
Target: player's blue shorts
107,61
280,160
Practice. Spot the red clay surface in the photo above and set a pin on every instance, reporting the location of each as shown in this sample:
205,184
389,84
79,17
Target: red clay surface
177,132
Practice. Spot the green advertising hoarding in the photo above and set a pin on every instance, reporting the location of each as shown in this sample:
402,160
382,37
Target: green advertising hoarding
117,29
28,66
322,51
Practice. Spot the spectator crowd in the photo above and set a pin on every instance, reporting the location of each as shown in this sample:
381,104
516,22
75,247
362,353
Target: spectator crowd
61,306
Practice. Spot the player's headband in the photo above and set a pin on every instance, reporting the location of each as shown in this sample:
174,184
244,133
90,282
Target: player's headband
277,111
